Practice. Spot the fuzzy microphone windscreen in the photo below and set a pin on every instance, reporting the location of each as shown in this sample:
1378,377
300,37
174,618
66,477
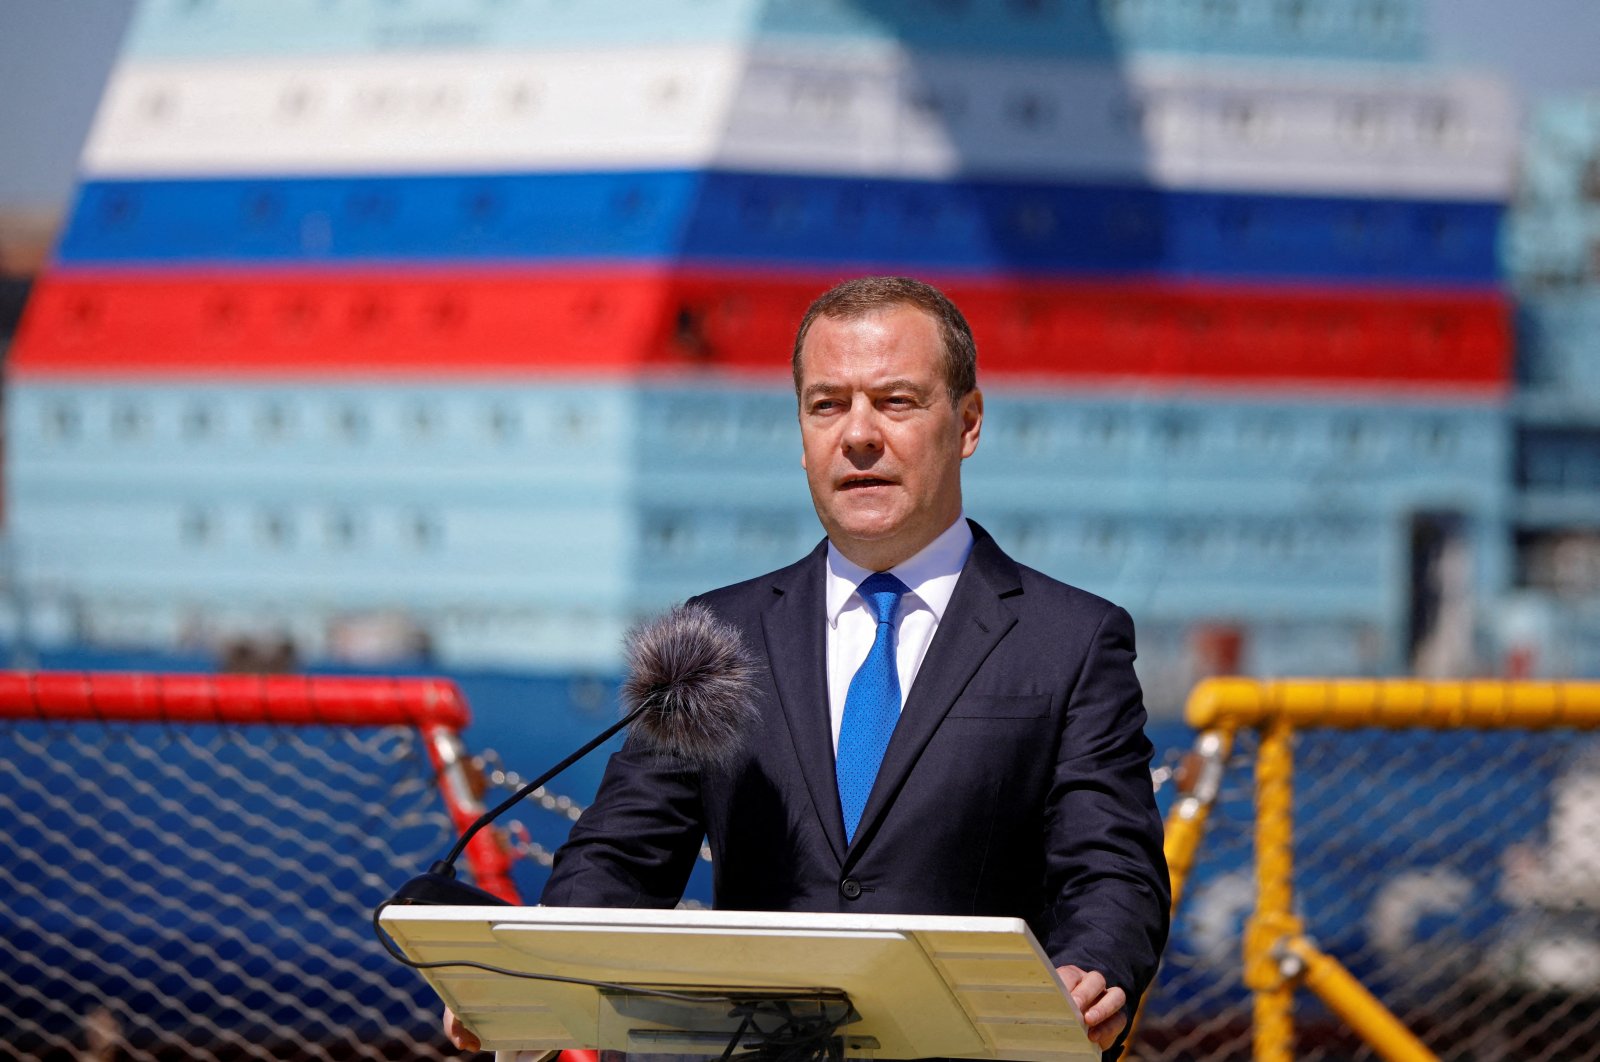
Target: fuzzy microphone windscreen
696,681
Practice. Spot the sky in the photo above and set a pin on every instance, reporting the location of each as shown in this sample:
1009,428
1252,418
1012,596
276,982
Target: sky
55,54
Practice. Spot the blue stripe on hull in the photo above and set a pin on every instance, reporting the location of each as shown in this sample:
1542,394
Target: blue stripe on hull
968,226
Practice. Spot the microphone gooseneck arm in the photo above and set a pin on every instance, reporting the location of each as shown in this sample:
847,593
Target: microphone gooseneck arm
689,685
440,884
505,805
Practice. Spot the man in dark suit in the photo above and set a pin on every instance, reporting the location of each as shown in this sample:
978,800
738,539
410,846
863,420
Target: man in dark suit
1012,778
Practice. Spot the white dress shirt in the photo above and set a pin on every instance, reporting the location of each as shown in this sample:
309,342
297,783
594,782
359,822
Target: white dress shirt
931,577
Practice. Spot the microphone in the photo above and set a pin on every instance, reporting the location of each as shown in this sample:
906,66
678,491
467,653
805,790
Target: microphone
691,683
690,688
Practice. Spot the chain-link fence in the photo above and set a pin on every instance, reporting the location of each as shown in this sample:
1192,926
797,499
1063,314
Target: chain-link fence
1455,873
182,884
197,883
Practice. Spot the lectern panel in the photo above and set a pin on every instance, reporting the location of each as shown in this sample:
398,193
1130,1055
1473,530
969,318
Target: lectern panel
921,986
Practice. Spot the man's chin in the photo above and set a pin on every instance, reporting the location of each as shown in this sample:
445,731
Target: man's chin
871,544
869,527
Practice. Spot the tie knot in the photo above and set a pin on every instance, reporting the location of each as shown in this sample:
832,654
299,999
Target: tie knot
881,591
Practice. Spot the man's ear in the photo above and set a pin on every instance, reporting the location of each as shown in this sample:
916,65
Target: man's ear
970,410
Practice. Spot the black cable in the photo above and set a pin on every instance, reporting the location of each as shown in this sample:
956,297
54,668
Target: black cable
738,1034
796,1039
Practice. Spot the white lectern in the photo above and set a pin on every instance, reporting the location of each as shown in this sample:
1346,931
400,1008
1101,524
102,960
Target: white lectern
905,986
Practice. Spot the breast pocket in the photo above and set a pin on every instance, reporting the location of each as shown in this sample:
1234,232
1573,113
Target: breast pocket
1001,706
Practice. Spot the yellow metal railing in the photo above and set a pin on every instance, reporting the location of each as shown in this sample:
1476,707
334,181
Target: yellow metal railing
1400,703
1278,957
1199,780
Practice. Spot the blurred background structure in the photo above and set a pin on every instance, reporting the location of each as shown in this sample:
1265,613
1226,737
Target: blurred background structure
453,334
450,336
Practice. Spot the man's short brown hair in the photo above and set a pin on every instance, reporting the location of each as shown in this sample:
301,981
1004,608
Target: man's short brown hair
866,295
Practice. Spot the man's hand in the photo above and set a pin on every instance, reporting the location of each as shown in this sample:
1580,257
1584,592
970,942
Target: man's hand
458,1033
1104,1008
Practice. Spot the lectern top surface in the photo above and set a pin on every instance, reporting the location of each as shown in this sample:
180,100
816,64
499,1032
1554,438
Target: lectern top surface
923,985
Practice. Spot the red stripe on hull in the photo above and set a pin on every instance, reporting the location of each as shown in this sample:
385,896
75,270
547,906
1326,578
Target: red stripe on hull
338,323
619,320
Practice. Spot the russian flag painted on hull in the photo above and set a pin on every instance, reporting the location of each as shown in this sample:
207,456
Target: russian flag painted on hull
370,307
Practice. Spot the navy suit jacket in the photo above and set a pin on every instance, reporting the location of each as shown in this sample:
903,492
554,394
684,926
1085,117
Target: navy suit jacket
1016,783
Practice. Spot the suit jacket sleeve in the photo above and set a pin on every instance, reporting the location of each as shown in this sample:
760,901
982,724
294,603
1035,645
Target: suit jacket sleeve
1106,875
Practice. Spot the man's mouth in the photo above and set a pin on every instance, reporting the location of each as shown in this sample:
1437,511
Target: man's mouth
864,481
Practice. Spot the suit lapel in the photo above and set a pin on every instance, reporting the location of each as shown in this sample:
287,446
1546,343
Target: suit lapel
793,626
973,625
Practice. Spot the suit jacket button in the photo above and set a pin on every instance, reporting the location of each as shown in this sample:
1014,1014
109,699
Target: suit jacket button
850,887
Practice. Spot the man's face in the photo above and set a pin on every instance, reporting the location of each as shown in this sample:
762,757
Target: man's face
882,444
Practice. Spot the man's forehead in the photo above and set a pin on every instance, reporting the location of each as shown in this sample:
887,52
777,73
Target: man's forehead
883,343
901,317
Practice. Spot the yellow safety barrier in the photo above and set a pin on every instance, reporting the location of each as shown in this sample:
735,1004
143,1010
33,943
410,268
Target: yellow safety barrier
1199,780
1277,955
1349,999
1235,703
1274,919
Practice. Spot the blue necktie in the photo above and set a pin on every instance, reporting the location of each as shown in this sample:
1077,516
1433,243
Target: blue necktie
872,707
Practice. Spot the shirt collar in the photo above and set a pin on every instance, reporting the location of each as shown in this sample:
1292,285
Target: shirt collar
930,574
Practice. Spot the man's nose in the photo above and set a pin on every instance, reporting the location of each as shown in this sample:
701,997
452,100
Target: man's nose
862,433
